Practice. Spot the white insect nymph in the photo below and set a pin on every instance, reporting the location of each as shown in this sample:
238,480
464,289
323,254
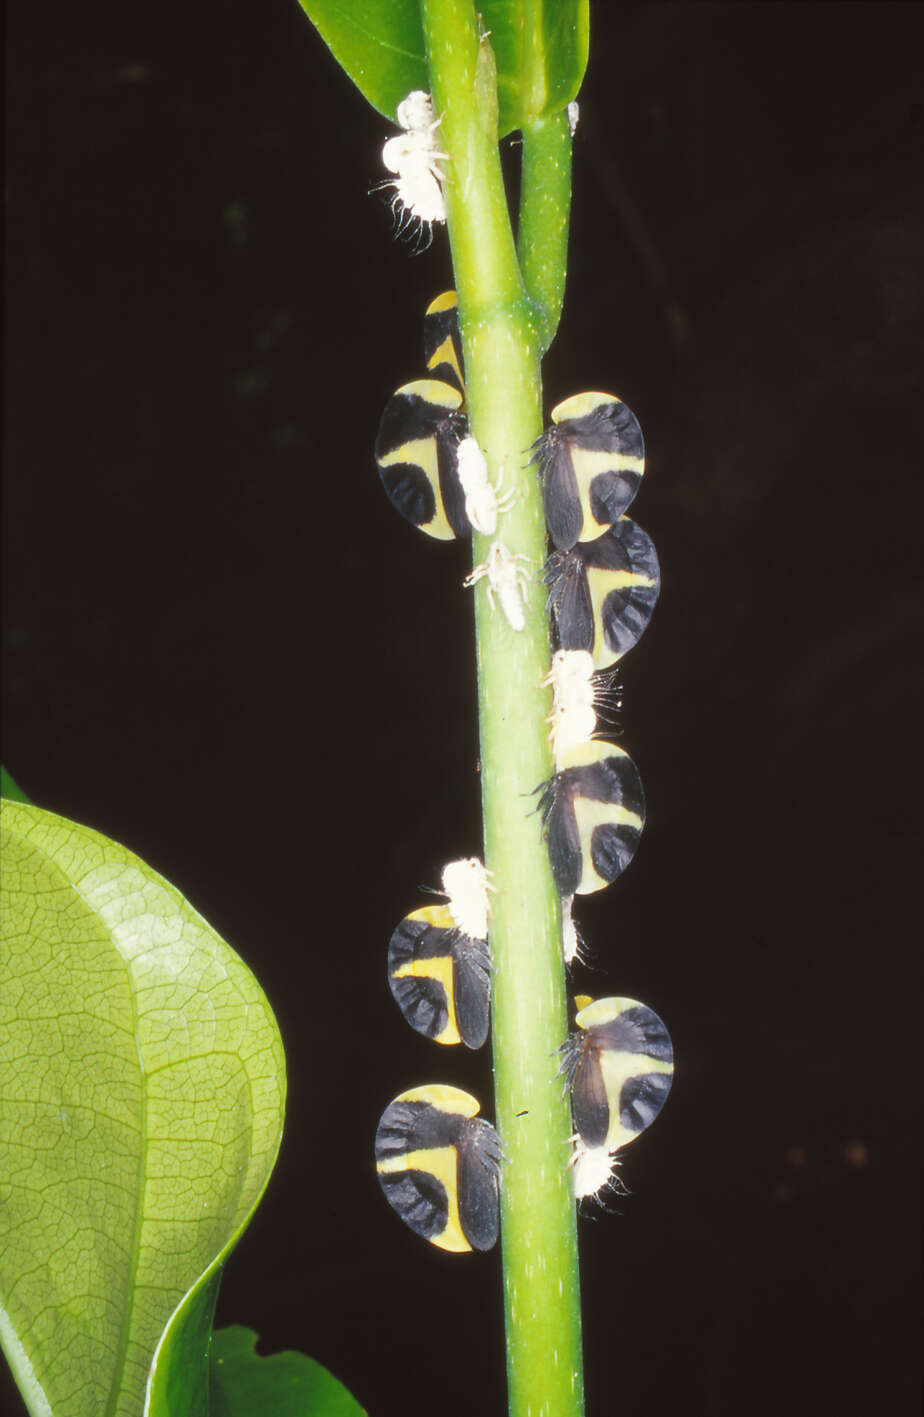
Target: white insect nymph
466,884
571,942
507,578
483,503
574,716
414,157
593,1170
583,700
416,111
574,114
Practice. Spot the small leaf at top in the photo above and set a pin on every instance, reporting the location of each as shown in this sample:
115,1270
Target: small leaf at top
541,49
379,43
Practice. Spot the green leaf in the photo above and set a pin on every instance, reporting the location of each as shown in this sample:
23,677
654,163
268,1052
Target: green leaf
540,45
541,52
140,1116
179,1381
284,1384
379,43
10,789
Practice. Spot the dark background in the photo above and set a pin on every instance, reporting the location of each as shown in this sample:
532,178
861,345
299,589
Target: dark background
224,650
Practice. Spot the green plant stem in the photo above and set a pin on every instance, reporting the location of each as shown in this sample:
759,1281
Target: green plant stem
545,208
502,348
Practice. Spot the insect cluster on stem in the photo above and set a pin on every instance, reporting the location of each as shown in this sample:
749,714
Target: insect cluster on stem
438,1162
603,579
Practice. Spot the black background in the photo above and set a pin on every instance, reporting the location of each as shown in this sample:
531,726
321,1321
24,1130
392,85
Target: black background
224,650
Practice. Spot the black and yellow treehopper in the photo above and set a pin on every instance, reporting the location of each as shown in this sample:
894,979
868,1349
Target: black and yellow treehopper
619,1065
591,460
438,1164
440,977
593,812
416,453
602,593
442,343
